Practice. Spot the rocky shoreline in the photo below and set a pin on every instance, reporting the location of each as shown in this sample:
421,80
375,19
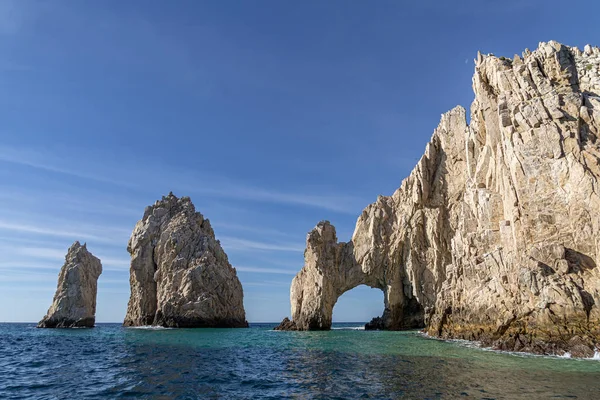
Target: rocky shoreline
575,350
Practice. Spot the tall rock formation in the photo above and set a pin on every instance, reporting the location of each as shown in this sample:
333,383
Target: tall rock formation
495,234
74,304
180,275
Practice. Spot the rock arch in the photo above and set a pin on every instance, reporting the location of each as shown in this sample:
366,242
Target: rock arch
493,236
330,270
401,244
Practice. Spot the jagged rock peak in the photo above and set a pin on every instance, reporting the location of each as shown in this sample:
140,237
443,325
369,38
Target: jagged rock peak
74,304
180,275
494,234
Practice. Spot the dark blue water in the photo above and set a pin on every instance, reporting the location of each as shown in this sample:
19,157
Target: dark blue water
111,362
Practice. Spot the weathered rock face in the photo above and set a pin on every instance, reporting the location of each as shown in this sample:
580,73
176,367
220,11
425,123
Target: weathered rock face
495,234
180,275
74,304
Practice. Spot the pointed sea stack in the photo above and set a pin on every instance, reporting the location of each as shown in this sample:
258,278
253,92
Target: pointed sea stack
180,275
74,304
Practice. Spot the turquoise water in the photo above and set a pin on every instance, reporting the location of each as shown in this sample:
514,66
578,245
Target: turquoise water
111,362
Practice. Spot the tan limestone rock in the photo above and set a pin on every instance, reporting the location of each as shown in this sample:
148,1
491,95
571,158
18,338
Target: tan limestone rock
180,276
74,304
494,235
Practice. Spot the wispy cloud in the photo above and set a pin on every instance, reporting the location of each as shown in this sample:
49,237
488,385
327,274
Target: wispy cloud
114,263
41,252
89,202
108,235
233,243
266,270
267,283
35,257
338,203
27,276
214,186
249,228
10,287
33,159
20,265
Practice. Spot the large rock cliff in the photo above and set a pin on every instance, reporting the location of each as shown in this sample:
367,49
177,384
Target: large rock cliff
495,234
180,275
74,304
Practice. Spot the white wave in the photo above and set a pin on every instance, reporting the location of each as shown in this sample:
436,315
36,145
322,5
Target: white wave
477,345
149,327
349,328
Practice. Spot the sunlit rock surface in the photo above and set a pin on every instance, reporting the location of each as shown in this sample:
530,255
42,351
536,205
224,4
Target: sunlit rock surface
74,304
180,276
494,235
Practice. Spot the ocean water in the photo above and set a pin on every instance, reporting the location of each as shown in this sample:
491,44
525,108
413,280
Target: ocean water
112,362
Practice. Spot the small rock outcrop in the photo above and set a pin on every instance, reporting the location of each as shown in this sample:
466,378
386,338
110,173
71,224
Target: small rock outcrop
286,325
376,324
180,276
74,304
494,234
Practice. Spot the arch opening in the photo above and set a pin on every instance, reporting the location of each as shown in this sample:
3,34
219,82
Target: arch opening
358,305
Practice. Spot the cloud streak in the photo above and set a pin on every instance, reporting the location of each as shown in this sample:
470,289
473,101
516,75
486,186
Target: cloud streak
20,266
65,232
267,284
252,229
29,258
265,270
41,252
214,186
233,243
36,160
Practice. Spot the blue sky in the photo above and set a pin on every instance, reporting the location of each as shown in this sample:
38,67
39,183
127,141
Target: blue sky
270,115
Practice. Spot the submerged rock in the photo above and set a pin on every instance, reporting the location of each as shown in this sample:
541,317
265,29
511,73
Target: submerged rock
494,234
74,304
180,275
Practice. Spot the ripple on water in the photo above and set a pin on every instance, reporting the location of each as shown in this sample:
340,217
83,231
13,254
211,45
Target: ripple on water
113,362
